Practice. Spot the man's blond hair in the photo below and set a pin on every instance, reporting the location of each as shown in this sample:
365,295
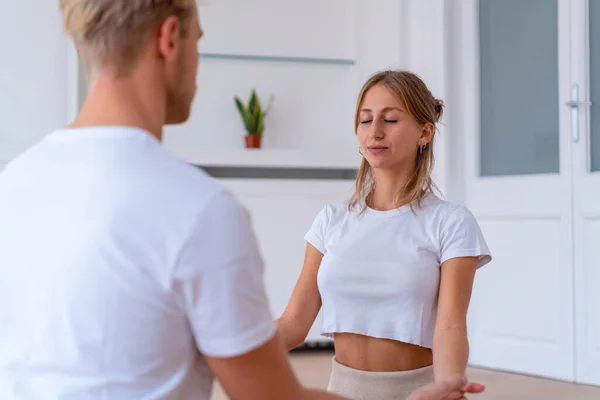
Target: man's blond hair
112,32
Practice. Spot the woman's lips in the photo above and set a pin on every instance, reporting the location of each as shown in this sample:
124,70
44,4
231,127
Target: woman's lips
377,149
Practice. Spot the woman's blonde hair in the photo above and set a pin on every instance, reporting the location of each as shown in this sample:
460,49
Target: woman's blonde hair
113,31
424,108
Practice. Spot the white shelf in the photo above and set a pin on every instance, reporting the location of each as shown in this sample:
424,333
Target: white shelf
270,158
307,60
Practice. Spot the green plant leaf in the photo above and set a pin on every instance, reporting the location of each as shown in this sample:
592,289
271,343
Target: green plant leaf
253,102
258,105
260,127
245,115
256,116
253,115
253,110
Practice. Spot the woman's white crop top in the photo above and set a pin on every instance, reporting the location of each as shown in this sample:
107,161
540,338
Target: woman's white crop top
380,271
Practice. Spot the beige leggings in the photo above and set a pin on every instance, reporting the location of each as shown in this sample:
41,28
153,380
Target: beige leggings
365,385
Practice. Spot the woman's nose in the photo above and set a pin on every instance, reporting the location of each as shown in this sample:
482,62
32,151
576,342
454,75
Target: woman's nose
376,131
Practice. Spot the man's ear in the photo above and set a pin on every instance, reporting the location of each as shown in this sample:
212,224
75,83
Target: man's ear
169,37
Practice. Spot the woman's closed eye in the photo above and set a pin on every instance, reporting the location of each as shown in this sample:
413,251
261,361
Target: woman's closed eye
386,120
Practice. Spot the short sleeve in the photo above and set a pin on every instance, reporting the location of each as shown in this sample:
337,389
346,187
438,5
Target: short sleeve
219,278
316,234
461,236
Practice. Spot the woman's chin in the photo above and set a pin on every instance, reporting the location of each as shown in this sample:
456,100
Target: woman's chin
381,164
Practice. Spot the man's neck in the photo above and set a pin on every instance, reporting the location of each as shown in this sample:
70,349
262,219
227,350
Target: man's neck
124,102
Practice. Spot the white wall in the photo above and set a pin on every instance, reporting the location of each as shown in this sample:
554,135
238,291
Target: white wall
33,75
311,123
312,113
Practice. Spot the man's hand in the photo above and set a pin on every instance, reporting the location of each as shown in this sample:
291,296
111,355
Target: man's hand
451,389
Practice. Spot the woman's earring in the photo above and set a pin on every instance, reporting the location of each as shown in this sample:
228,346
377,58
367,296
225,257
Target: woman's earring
421,149
359,151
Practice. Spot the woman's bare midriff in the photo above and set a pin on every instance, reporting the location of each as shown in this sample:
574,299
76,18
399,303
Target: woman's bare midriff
379,355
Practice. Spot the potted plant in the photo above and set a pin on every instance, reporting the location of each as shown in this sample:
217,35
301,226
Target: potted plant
253,117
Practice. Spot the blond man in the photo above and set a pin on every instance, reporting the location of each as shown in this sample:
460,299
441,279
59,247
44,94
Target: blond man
124,272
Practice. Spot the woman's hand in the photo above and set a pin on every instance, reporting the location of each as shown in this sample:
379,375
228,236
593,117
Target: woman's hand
453,388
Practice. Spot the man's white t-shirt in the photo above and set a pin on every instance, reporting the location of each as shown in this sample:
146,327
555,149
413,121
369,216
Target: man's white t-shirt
120,268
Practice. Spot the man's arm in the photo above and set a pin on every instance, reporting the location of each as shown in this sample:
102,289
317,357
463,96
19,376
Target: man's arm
219,279
263,374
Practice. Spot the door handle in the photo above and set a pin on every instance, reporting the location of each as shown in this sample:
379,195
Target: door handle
574,103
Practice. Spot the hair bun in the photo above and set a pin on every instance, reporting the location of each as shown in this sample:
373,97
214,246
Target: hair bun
438,107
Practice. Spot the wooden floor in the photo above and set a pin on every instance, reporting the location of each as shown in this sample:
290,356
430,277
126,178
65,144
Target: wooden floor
313,370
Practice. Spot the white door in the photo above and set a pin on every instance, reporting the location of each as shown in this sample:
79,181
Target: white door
585,139
515,75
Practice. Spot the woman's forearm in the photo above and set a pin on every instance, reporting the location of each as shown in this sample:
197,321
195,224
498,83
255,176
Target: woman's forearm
291,339
450,353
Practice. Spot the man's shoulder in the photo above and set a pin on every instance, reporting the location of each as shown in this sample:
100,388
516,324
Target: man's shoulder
186,176
195,186
182,179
